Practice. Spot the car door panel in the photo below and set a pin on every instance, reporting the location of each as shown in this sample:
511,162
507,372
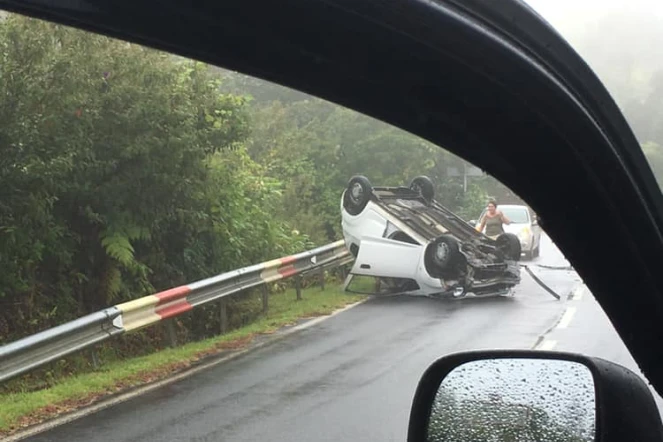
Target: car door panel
387,257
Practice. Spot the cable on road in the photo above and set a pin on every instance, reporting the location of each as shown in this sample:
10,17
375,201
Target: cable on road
541,283
543,266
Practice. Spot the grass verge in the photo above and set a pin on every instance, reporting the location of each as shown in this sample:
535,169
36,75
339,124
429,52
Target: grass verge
20,410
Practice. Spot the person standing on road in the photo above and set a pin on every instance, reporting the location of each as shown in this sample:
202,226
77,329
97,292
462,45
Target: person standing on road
493,221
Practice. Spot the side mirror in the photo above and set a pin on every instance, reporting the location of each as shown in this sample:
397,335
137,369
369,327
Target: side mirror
531,396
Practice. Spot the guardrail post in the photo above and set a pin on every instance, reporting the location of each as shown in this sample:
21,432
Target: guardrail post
96,362
322,278
170,332
223,317
265,298
298,287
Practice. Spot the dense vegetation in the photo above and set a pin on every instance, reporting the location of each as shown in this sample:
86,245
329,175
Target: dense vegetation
125,170
314,147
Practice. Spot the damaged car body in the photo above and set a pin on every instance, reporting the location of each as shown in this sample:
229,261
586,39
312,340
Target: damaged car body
411,244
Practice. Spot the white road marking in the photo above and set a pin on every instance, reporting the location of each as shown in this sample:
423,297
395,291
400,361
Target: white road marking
566,318
547,345
578,292
578,295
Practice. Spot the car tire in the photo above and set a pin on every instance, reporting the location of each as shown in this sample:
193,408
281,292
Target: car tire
509,245
424,186
357,194
442,256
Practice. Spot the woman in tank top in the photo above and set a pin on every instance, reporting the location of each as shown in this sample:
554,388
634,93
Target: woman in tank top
493,221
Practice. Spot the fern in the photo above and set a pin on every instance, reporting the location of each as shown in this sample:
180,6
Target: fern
116,241
112,282
118,247
137,233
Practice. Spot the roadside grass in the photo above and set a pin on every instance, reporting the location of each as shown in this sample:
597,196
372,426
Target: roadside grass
21,409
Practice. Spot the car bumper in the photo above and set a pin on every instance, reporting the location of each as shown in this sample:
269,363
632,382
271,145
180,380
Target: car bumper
526,243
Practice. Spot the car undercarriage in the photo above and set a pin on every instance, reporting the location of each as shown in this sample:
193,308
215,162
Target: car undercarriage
413,244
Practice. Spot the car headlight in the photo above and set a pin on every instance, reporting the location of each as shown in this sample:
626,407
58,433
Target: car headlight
524,233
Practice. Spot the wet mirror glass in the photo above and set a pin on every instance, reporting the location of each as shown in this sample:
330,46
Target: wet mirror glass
515,400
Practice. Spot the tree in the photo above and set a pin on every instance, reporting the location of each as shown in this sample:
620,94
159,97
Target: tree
314,147
123,170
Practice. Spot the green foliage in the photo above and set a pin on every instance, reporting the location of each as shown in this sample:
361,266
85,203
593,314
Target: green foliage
474,201
313,147
123,171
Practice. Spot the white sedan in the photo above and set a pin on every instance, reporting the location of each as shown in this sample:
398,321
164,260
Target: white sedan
523,224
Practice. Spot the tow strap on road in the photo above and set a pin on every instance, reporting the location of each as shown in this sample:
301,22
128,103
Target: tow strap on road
543,266
541,283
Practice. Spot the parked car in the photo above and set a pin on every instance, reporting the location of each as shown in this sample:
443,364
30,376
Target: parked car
524,225
404,237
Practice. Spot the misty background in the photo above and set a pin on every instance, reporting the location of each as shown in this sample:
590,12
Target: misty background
622,41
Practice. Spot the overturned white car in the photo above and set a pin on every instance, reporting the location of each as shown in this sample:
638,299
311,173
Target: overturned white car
414,245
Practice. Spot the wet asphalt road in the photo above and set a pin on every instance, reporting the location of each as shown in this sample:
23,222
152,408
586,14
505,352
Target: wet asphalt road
351,377
584,328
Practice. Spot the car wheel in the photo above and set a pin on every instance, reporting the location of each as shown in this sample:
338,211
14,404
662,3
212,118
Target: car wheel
509,245
357,194
442,255
424,186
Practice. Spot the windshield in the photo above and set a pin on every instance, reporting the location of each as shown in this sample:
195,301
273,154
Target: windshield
622,41
240,261
516,215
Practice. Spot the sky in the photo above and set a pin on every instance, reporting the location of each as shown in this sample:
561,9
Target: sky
621,40
568,14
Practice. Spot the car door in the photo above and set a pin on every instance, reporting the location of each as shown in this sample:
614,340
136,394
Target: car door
384,257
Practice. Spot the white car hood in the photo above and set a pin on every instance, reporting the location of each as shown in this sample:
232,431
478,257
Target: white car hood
514,228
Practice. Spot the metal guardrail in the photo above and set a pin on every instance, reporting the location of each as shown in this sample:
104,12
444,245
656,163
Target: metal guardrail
34,351
52,344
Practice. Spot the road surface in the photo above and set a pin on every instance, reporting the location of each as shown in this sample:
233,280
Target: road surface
353,376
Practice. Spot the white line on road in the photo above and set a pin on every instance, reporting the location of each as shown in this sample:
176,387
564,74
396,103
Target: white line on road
578,292
547,345
566,318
